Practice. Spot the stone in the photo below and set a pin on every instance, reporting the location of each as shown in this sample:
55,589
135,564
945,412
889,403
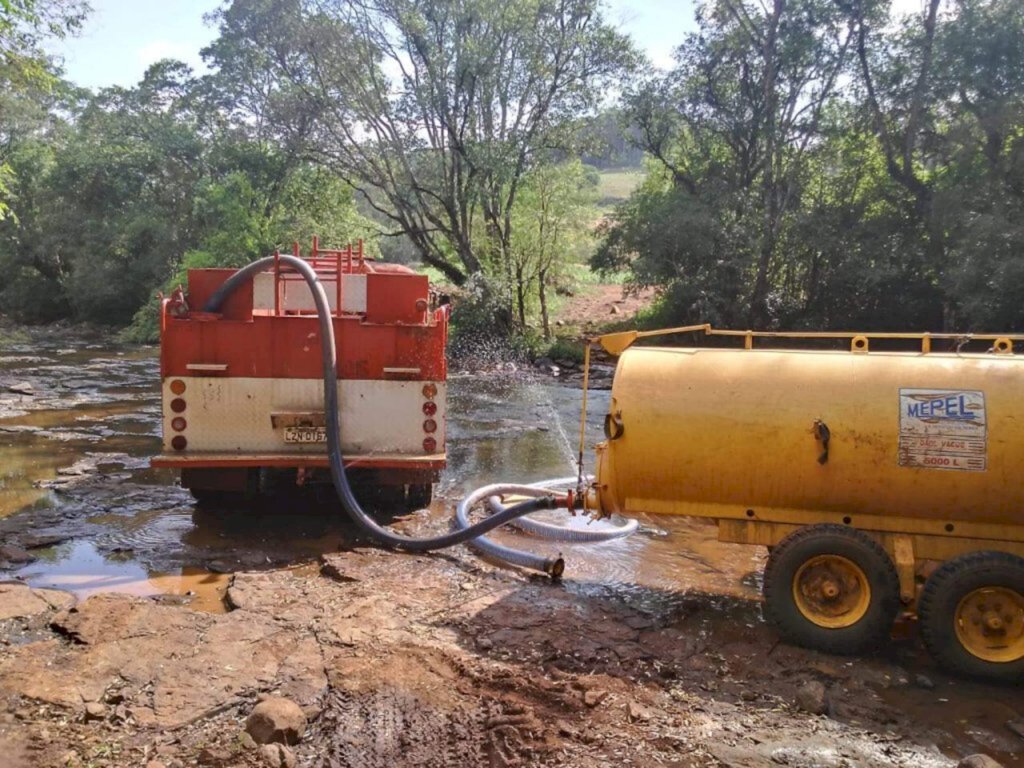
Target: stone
277,756
94,710
276,719
15,555
923,681
594,697
1017,726
812,697
637,712
42,541
215,757
247,741
21,388
18,601
979,761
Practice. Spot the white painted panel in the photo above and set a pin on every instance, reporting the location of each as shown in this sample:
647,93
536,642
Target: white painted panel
232,415
295,294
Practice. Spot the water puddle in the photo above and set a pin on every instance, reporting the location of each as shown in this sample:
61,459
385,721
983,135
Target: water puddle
79,568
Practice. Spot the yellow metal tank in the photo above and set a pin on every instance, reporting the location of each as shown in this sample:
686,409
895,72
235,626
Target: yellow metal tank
935,440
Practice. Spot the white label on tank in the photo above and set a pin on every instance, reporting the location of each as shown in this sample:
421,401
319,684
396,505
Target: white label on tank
943,429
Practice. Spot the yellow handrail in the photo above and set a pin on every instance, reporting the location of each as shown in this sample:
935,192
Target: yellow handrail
617,343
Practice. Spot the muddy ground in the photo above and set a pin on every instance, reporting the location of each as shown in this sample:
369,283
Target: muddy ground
135,627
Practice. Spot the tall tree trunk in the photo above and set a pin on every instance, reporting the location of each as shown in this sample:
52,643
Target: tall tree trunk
521,297
542,294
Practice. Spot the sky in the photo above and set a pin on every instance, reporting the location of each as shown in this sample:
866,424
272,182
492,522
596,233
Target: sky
123,37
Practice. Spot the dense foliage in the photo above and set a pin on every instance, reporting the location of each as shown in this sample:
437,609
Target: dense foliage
811,163
824,164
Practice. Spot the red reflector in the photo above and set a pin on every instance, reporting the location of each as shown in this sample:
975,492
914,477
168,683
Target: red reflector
429,445
179,443
178,387
429,409
429,391
178,424
430,425
177,405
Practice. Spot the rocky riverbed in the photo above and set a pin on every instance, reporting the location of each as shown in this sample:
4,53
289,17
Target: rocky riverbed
137,630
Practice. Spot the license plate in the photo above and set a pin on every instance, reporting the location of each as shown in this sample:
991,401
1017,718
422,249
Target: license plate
305,435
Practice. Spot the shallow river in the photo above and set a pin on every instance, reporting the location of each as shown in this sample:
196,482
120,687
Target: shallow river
80,417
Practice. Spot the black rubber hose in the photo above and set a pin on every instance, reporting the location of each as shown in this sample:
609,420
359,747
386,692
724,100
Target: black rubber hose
330,365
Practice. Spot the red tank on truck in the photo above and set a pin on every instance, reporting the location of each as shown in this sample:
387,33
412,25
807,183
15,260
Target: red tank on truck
243,389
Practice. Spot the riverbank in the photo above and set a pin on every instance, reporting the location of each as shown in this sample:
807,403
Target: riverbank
445,661
137,628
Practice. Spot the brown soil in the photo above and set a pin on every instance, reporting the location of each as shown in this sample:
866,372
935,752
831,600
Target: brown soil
600,305
401,660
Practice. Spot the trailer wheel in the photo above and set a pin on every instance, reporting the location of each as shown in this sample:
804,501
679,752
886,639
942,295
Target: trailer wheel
831,588
972,615
419,495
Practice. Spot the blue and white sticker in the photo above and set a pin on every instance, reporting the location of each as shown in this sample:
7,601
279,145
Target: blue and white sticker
943,429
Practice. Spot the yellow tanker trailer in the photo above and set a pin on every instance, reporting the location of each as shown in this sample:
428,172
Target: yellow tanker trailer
866,474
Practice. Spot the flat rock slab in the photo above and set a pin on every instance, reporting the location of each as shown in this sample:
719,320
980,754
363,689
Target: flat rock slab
19,601
173,665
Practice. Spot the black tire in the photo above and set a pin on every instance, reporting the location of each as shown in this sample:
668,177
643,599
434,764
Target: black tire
942,615
419,496
877,588
207,498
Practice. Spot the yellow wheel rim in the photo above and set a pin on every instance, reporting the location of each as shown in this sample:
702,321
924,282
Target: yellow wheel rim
990,624
831,591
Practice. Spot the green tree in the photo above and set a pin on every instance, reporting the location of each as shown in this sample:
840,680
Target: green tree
552,227
734,124
434,111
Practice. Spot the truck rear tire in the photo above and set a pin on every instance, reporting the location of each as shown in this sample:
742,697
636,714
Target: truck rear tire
831,588
419,496
972,615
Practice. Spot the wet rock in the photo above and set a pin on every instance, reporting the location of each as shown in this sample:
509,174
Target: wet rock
94,710
277,756
276,719
15,555
42,541
812,697
21,388
594,697
1017,726
979,761
923,681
